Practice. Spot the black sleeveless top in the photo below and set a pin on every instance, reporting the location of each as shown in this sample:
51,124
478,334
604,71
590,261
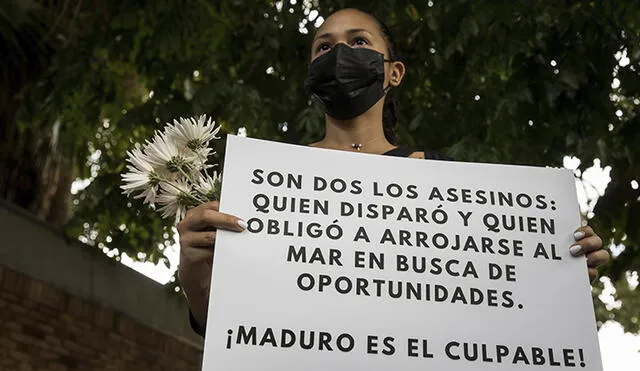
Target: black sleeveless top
407,151
396,152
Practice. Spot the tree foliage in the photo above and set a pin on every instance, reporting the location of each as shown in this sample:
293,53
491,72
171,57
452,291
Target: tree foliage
518,82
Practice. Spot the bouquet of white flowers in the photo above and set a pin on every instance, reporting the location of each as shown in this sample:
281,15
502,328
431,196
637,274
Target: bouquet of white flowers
171,170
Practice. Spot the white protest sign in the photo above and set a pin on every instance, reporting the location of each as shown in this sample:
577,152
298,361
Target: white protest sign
367,262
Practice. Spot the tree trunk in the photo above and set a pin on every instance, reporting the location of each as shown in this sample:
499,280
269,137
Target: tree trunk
34,174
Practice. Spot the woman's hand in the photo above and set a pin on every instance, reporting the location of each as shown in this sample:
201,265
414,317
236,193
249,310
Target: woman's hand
197,238
589,244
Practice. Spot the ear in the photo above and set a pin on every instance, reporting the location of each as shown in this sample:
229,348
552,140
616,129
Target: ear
397,73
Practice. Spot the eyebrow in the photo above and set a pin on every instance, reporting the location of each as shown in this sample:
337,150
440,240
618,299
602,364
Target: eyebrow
349,32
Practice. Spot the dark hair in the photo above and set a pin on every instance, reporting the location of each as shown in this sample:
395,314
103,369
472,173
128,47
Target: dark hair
389,115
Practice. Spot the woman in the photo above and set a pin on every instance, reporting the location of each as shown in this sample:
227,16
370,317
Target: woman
353,66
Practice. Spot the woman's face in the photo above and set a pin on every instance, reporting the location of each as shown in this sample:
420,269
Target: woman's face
351,27
357,30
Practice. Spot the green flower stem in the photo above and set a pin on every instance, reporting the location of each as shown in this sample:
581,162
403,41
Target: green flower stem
197,200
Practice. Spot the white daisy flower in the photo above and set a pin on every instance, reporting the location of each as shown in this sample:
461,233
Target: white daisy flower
171,169
202,156
141,177
137,158
163,153
193,134
209,186
174,199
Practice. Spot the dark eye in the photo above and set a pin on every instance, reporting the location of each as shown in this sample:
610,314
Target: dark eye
360,41
323,47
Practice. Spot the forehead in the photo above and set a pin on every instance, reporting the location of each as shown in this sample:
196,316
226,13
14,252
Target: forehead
348,19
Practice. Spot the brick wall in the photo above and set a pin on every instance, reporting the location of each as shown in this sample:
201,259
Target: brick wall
73,309
44,328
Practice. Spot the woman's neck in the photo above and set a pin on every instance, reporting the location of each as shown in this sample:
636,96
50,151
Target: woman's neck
360,134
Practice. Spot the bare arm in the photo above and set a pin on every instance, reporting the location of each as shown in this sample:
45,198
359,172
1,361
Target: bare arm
197,240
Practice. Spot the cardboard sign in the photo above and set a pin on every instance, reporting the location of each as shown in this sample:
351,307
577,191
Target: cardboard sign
365,262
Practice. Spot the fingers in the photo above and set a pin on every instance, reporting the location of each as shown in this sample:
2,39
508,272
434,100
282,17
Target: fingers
593,274
597,258
188,221
589,244
207,216
211,218
213,205
586,242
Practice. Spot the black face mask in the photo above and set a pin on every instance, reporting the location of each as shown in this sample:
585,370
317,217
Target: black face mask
347,81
